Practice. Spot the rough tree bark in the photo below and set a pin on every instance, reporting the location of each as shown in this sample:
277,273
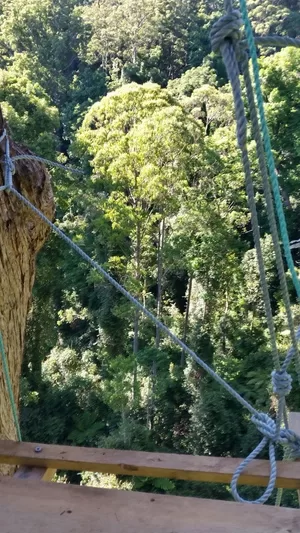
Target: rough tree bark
22,234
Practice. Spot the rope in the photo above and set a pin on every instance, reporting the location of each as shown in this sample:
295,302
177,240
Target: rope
272,432
135,302
10,389
30,157
129,296
227,26
270,208
268,148
2,137
273,40
47,162
225,36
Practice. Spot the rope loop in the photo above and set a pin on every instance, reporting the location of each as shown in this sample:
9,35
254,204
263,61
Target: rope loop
227,28
281,382
272,477
268,428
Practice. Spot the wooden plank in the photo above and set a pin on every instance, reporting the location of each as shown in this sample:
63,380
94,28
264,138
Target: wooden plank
37,507
187,467
35,472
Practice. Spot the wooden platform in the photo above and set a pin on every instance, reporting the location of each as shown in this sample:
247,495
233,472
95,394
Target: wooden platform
149,464
41,507
29,504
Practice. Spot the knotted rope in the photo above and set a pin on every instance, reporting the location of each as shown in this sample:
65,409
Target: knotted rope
226,38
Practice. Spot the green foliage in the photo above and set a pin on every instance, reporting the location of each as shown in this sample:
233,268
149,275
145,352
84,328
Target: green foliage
130,91
158,485
86,429
49,31
27,107
142,40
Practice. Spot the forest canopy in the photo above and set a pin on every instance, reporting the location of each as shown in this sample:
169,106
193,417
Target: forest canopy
130,91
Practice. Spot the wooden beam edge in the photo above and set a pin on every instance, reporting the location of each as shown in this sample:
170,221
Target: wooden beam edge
131,463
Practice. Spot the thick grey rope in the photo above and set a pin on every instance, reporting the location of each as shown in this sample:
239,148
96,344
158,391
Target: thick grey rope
225,36
8,164
270,206
273,40
219,36
272,434
2,137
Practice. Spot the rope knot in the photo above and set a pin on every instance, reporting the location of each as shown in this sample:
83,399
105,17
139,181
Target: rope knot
265,425
281,382
227,28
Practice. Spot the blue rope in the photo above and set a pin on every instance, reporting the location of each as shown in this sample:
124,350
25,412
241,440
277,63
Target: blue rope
268,148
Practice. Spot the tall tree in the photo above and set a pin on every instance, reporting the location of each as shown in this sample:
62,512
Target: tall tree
22,235
141,40
281,91
48,32
145,167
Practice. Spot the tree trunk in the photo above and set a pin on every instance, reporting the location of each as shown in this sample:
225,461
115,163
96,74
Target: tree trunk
137,313
186,318
22,234
152,381
161,240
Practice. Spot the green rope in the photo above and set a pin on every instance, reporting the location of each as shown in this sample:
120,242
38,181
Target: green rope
270,208
268,148
9,389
